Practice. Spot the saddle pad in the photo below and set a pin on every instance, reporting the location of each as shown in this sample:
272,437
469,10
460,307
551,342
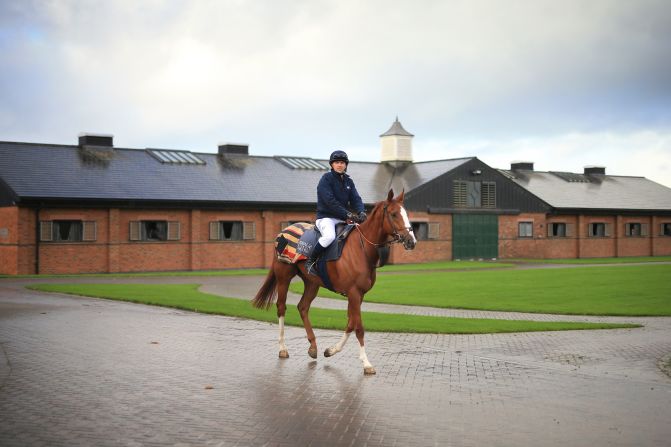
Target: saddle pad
287,243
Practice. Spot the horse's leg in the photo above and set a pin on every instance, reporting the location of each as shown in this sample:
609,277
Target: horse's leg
354,323
310,290
284,275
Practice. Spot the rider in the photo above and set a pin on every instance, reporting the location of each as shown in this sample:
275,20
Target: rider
337,200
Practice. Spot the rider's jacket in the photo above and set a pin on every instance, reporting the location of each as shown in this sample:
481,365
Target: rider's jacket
336,196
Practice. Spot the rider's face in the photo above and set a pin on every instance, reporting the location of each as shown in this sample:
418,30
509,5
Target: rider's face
339,166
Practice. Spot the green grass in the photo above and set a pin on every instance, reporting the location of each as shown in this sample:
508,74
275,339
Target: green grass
235,272
625,260
187,297
445,265
643,290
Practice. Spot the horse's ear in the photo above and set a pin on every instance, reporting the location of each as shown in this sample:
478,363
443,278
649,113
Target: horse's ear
390,195
401,196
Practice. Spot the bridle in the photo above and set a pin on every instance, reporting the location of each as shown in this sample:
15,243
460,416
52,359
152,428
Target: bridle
397,237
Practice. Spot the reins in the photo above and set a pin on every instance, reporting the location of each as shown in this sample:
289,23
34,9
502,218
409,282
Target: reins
397,239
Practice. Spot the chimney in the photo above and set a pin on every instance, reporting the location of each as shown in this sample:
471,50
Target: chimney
233,149
522,166
96,140
396,145
591,170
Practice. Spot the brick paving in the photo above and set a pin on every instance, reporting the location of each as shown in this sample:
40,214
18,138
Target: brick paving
79,371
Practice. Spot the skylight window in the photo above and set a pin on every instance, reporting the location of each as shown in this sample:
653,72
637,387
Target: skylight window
303,163
175,157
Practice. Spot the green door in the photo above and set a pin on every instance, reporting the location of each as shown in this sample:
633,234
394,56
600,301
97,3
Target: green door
475,236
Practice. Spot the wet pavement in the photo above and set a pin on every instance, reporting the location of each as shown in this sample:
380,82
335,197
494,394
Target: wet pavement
81,371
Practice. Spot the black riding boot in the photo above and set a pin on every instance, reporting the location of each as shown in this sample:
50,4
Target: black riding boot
316,253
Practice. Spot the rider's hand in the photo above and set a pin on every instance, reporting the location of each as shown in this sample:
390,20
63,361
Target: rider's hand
362,217
351,217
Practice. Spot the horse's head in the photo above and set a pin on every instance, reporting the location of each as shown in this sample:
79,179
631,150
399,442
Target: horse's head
396,222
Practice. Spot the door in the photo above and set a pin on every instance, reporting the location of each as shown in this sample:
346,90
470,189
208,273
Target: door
475,236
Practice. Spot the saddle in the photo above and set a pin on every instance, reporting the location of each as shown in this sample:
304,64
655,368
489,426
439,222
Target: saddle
296,242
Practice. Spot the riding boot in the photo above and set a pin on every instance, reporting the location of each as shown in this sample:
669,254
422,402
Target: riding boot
314,256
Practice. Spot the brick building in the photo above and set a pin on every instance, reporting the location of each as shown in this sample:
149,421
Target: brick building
92,207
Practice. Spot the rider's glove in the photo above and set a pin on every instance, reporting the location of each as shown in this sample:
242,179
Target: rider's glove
351,217
362,217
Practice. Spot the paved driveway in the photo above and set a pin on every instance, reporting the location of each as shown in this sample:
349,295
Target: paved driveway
80,371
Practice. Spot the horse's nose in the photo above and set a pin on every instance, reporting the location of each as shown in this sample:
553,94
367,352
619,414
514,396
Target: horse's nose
409,244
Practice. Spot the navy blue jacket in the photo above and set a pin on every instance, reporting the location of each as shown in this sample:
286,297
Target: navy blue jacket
336,196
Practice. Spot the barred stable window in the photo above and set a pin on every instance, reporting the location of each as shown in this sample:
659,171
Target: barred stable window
67,231
665,229
226,230
525,229
635,229
558,229
474,194
425,230
154,231
598,229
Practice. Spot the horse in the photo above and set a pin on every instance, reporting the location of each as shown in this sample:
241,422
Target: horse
352,275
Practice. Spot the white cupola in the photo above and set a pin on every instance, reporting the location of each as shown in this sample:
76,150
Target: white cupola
396,145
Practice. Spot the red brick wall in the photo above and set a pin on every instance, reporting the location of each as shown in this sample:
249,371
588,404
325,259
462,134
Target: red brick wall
9,240
438,249
114,252
513,246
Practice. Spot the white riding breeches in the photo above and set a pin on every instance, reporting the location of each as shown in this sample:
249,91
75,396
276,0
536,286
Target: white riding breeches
326,227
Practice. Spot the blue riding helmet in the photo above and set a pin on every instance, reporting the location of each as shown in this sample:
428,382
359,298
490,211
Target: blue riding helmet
338,156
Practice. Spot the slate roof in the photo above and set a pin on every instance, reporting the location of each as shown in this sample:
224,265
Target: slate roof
565,190
44,171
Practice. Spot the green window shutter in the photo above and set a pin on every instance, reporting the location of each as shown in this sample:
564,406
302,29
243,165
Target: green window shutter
644,229
460,190
434,230
46,231
89,231
248,230
569,230
174,231
134,230
606,229
214,231
284,224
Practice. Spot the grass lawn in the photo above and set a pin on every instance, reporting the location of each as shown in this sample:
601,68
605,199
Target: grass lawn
642,290
446,265
187,297
624,260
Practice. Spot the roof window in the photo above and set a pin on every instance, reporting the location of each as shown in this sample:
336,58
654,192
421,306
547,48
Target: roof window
303,163
175,157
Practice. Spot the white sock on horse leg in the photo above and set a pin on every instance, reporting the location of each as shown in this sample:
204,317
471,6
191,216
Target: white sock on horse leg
338,346
363,357
283,347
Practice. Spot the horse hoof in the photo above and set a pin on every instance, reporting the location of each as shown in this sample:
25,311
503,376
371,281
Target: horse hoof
328,352
312,352
369,371
284,354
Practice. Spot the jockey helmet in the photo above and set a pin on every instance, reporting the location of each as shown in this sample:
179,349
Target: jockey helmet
338,156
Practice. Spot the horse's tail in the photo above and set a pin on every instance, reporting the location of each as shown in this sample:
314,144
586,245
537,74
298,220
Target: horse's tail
268,292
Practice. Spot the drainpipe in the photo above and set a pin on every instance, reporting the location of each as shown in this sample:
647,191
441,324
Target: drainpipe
37,240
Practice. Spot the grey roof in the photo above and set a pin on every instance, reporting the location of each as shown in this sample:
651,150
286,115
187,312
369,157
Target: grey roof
69,172
397,129
580,191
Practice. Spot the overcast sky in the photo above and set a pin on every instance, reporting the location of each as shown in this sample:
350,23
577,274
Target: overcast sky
564,84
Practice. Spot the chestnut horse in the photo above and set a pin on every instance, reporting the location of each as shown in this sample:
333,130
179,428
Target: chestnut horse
352,275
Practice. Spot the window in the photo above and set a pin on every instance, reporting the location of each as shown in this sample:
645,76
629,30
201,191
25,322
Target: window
425,230
635,229
227,230
154,231
598,229
474,194
67,231
525,229
665,229
557,229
